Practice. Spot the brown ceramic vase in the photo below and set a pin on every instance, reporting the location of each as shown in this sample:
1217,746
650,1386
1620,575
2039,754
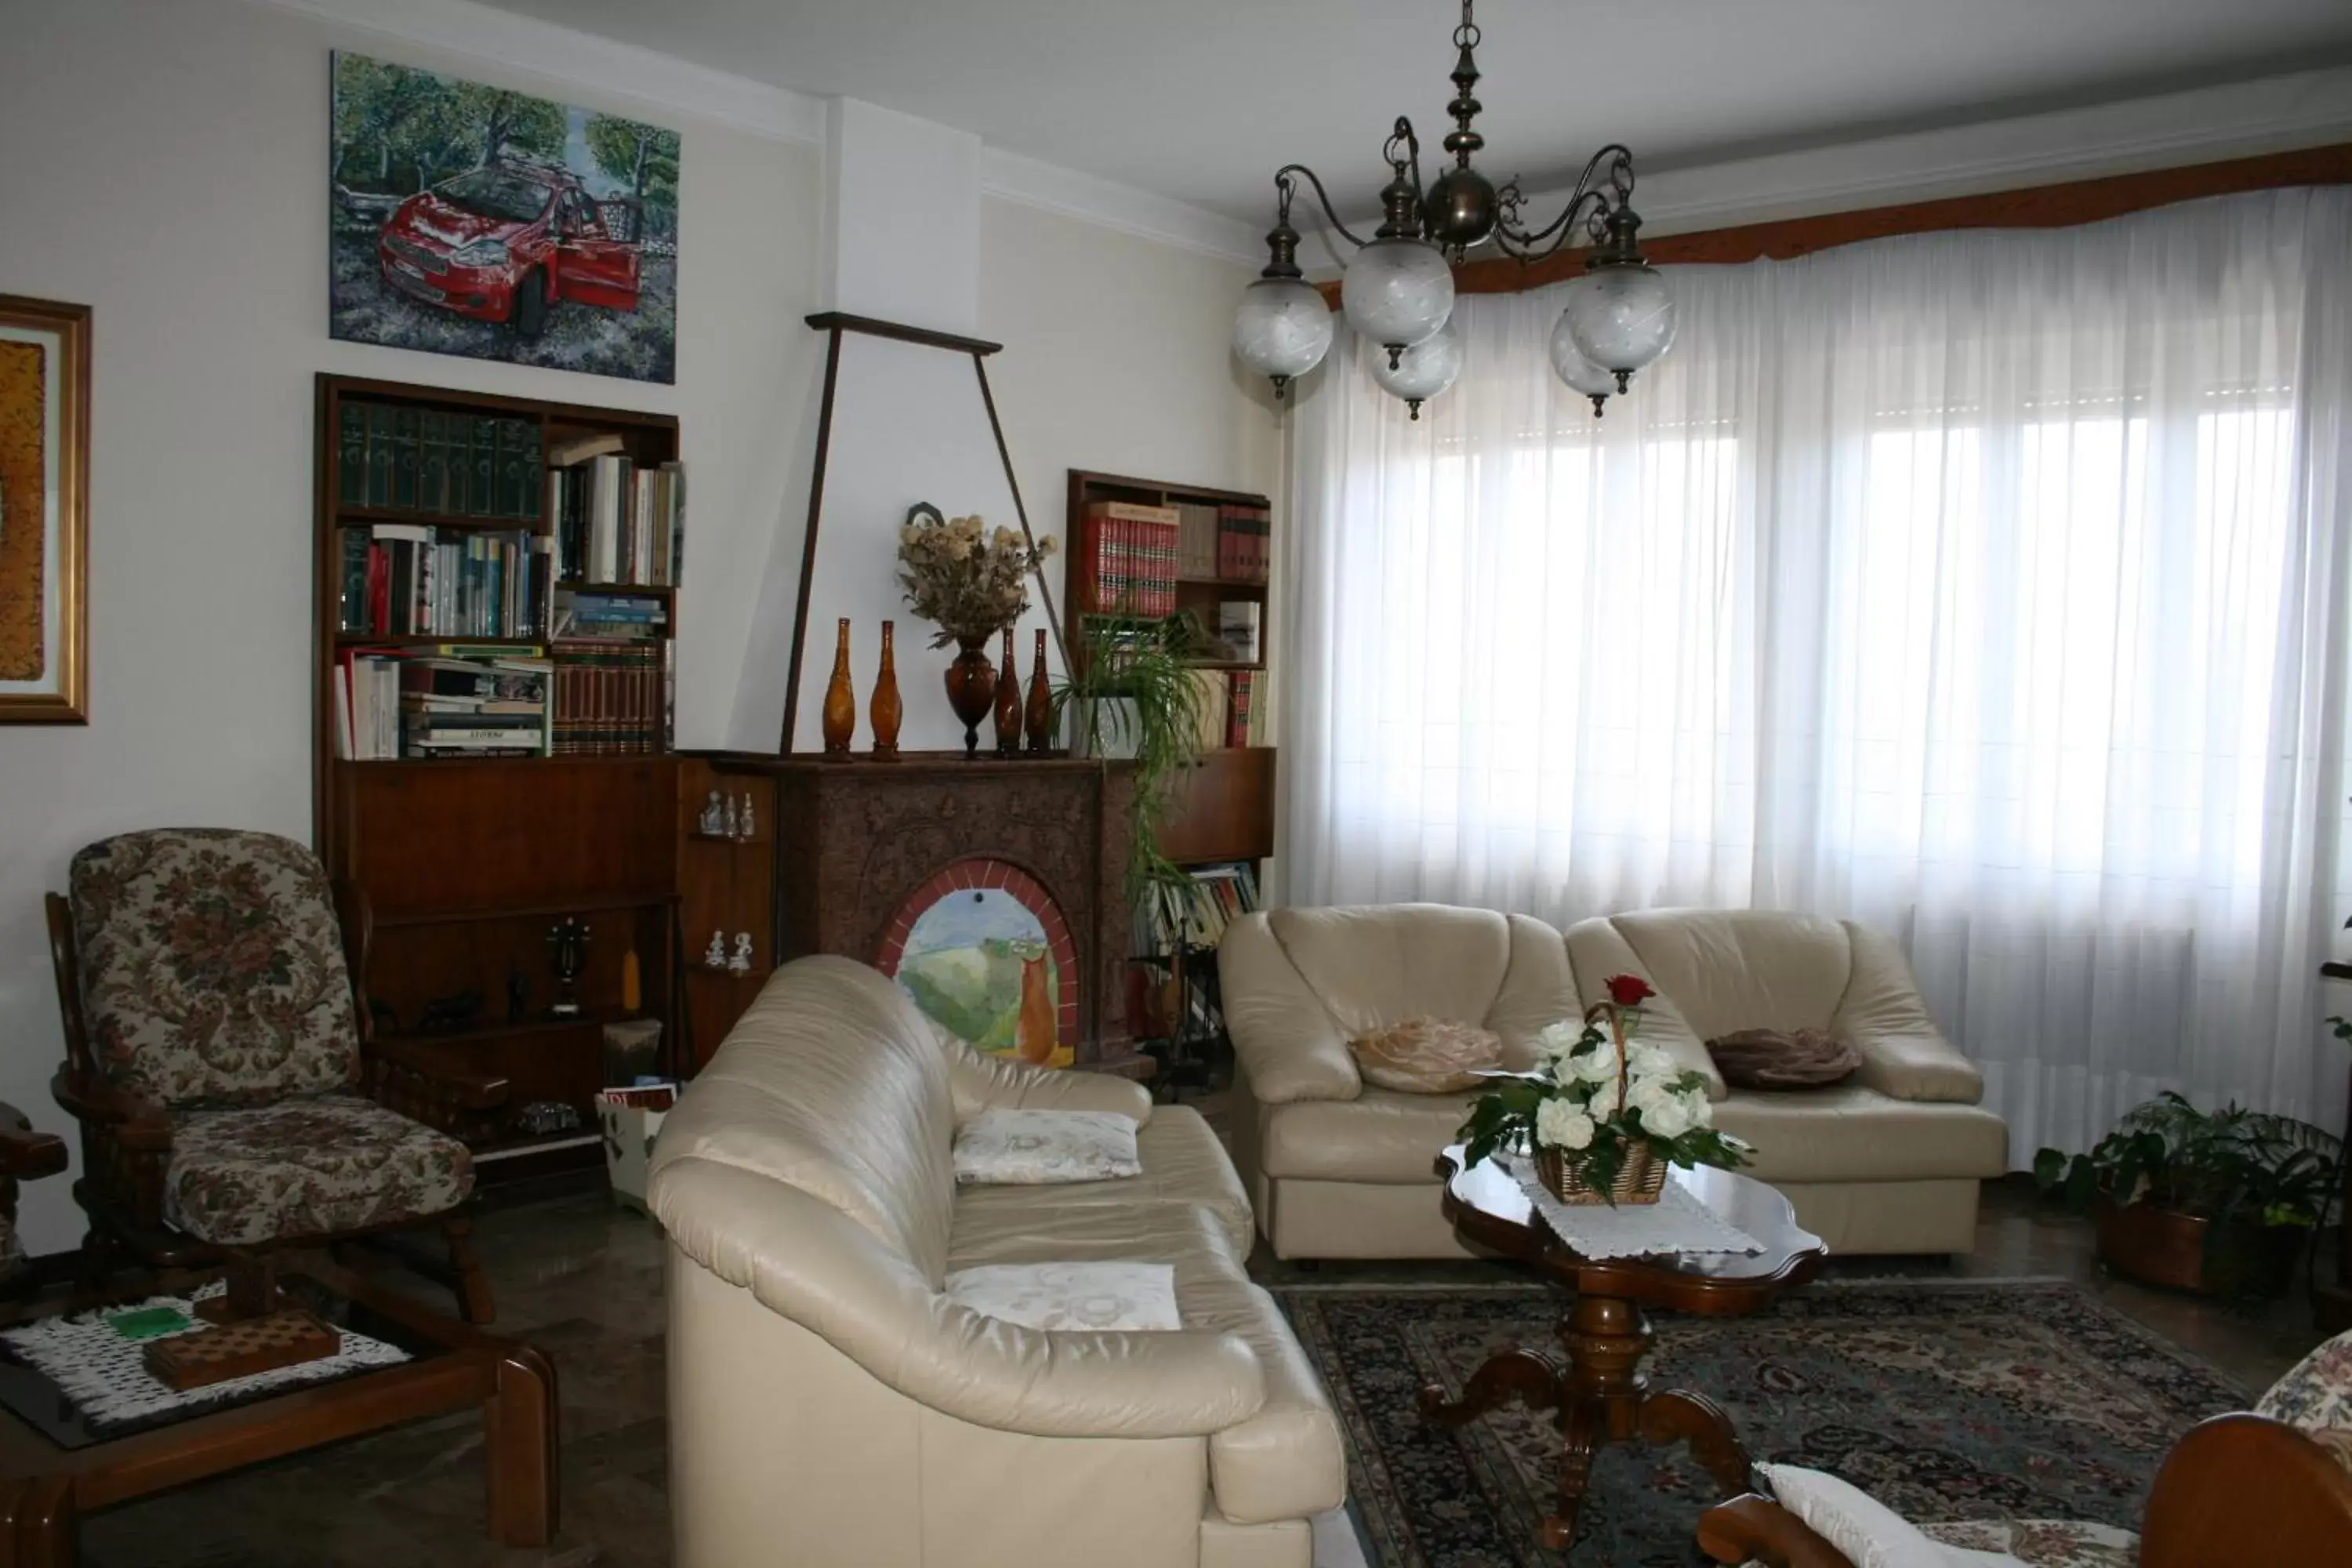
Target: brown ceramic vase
972,690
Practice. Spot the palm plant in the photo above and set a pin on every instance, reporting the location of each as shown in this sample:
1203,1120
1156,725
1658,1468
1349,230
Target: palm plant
1141,663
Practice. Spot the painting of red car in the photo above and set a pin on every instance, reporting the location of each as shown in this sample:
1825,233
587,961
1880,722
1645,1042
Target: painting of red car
475,220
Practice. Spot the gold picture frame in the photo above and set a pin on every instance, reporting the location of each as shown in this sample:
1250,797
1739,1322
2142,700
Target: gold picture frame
44,511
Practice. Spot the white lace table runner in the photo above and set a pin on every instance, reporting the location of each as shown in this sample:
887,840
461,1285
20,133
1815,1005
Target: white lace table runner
106,1376
1677,1222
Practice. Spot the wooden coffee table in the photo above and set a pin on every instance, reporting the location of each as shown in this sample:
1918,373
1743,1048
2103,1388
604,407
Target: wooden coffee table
53,1470
1599,1393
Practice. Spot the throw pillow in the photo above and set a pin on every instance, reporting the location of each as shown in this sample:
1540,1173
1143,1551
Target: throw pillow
1070,1295
1867,1531
1041,1148
1426,1056
1767,1058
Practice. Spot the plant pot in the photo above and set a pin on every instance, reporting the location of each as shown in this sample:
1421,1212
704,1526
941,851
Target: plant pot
1109,728
2158,1246
1640,1179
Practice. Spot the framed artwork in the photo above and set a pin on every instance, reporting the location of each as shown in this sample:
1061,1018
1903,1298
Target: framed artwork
468,219
44,511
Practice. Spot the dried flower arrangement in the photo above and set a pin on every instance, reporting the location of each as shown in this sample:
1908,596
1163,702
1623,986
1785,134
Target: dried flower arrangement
970,582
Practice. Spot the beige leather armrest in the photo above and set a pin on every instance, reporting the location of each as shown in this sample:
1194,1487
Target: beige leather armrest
982,1082
1904,1055
814,1265
1598,950
1287,1039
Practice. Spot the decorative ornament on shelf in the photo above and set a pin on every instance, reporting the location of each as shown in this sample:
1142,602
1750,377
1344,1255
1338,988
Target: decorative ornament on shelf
885,710
712,824
840,700
1037,720
1398,290
740,963
746,824
971,584
731,820
1008,702
715,955
1602,1115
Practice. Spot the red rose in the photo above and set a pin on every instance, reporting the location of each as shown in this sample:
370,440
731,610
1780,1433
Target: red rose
1630,990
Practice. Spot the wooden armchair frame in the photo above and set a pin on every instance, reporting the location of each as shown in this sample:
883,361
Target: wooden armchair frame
2237,1491
127,1140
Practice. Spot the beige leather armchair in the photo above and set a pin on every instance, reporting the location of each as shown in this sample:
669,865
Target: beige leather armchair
1889,1162
830,1405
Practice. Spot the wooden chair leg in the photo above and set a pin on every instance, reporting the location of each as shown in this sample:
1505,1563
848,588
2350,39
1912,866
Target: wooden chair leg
96,1266
473,1286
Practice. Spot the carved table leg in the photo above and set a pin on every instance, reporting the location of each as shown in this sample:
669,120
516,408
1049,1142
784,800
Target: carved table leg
1679,1415
1606,1338
1531,1377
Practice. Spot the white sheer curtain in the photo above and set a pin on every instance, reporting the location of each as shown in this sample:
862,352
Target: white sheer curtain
1989,587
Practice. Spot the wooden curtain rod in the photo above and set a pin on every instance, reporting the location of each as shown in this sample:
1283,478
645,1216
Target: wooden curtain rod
2035,207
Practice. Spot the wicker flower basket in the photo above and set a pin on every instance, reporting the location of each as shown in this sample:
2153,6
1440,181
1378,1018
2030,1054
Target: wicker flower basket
1639,1179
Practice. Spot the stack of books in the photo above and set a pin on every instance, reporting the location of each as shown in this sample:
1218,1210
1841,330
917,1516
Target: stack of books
412,579
625,617
1241,708
1216,896
615,522
421,459
1244,536
453,700
1196,540
612,697
1127,558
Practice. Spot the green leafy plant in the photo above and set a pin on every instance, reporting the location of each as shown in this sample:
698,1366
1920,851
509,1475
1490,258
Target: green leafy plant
1597,1095
2247,1172
1139,661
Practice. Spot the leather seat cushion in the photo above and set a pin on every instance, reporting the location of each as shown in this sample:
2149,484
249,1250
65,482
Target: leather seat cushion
1380,1136
308,1167
1285,1461
1848,1132
1183,1163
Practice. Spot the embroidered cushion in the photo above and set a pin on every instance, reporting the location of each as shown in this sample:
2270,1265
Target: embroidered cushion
1070,1295
1770,1058
212,967
305,1167
1041,1148
1426,1056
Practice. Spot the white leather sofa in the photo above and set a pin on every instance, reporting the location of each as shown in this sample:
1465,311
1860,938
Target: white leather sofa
829,1406
1888,1162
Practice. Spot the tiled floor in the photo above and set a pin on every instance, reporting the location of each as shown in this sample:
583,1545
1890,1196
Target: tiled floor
583,1280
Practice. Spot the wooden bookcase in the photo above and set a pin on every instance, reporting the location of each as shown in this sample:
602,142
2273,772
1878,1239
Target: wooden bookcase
467,862
1223,810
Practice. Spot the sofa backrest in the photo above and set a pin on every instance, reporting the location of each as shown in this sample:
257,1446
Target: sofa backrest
1372,966
1725,970
833,1082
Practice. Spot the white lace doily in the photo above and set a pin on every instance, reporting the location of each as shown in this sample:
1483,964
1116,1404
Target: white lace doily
1677,1222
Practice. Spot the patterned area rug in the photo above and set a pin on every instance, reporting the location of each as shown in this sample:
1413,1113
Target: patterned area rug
1959,1400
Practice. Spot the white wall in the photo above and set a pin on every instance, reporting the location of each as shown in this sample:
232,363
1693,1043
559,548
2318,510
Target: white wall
167,168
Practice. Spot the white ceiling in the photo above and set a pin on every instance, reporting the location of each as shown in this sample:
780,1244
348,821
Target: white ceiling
1200,100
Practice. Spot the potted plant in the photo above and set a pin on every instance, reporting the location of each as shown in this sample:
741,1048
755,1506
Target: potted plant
1131,695
1602,1115
2216,1201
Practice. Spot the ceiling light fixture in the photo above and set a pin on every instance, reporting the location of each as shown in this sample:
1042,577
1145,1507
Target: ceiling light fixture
1398,290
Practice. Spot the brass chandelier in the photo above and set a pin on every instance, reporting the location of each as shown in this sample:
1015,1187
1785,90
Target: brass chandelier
1398,290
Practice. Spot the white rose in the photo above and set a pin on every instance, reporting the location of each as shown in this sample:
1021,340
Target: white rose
1559,1125
1604,1103
1663,1114
1702,1109
1596,1065
1649,1061
1559,1040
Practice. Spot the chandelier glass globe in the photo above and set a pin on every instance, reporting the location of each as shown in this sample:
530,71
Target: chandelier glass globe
1397,291
1622,317
1568,363
1423,370
1282,328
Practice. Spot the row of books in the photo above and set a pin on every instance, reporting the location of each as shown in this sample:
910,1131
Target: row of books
1128,559
461,465
612,697
615,522
627,617
408,579
1197,913
1244,537
1227,708
449,700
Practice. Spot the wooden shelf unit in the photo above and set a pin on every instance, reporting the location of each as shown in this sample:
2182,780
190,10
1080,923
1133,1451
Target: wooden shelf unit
1195,595
466,861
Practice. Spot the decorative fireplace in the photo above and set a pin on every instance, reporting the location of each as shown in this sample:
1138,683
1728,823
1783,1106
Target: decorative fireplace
993,891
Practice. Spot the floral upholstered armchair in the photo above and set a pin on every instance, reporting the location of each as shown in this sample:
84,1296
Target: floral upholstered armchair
2269,1488
219,1058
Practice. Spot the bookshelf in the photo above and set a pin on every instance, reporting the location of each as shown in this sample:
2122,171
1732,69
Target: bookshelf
1220,815
468,848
